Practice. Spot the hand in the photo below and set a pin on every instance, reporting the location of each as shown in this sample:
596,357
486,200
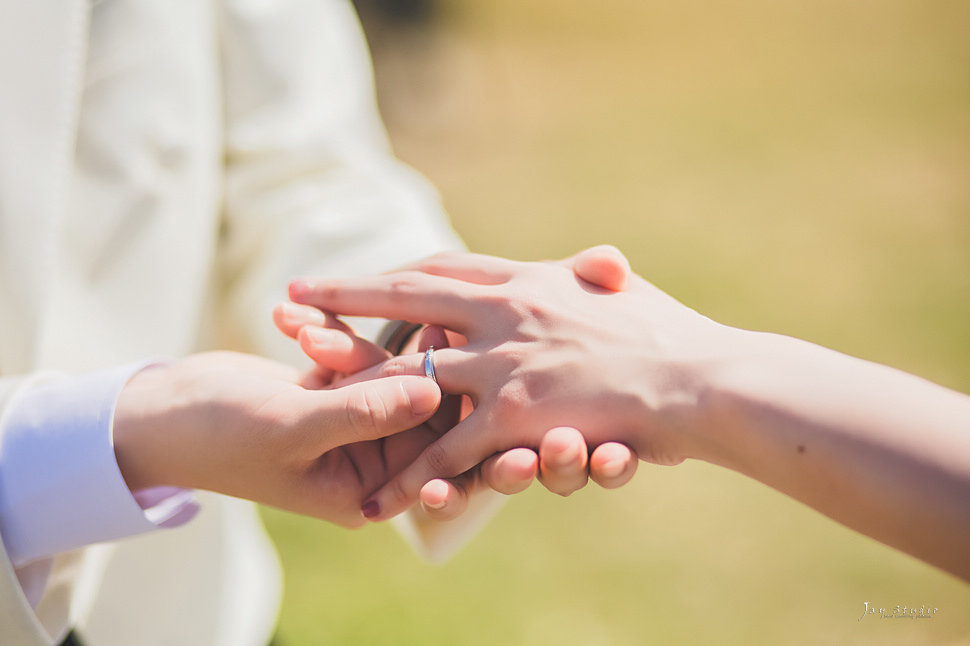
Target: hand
603,266
563,468
543,350
241,425
563,464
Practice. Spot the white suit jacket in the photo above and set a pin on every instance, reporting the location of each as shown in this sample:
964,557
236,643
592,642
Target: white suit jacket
254,154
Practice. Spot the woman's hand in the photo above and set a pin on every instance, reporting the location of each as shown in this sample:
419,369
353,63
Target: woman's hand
562,463
545,349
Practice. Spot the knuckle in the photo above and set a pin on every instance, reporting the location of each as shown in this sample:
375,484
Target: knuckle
394,367
511,401
403,286
367,411
438,460
398,496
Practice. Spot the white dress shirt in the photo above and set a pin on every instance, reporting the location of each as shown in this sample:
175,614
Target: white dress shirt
60,488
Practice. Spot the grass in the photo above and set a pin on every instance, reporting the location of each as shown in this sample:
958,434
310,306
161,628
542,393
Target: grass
794,167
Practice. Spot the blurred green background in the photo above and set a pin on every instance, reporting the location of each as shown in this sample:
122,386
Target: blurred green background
799,167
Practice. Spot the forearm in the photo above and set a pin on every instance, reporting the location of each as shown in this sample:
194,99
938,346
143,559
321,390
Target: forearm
881,451
885,453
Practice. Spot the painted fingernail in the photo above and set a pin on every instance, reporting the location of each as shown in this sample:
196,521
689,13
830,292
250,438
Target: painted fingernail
371,509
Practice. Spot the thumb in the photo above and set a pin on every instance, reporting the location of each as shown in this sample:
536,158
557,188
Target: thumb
373,409
604,266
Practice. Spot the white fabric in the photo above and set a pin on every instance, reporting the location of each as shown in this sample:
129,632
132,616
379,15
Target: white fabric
165,167
60,487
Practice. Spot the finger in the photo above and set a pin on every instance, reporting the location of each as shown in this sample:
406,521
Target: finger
317,378
612,465
453,453
507,473
454,368
444,500
364,411
339,350
604,266
468,267
433,336
512,471
562,461
407,296
291,317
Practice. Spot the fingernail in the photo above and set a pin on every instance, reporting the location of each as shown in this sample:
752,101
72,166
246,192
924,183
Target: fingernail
423,396
300,287
371,509
440,489
316,335
326,338
612,469
297,316
563,457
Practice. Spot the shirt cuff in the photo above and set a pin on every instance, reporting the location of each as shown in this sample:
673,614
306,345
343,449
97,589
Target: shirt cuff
60,485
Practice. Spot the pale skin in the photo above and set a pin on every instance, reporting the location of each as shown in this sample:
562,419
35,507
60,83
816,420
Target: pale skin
562,463
881,451
257,429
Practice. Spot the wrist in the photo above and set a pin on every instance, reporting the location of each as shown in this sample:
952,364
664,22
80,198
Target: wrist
743,400
718,395
140,430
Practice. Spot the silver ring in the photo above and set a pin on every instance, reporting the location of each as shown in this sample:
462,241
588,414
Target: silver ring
429,364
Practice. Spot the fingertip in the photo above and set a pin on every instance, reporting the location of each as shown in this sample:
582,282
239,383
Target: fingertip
511,472
314,340
291,317
563,461
279,320
604,266
299,288
562,446
612,465
442,500
398,495
423,396
371,509
434,494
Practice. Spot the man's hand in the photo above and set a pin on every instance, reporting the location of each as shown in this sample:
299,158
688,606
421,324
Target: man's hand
243,426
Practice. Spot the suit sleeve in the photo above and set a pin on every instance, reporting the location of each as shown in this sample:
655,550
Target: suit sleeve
312,187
